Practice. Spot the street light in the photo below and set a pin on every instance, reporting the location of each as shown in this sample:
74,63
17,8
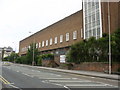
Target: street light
109,37
33,50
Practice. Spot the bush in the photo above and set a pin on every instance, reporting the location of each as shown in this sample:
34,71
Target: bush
93,50
47,57
39,62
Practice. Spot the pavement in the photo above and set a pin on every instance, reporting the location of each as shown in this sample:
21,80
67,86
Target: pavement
80,72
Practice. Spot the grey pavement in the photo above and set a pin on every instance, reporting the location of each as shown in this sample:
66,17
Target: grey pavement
80,72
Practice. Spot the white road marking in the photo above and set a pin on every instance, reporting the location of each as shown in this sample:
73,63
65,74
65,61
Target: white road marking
66,81
107,84
13,86
67,87
74,78
28,75
55,75
85,84
18,71
56,78
58,75
92,77
38,71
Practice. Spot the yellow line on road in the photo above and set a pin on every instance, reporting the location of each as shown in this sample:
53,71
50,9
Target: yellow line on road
4,80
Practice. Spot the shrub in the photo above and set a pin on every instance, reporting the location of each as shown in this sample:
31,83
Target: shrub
47,56
39,62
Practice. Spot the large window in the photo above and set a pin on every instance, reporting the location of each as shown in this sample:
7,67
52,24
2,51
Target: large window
55,40
36,45
46,42
61,38
50,41
43,43
92,19
67,36
39,44
75,35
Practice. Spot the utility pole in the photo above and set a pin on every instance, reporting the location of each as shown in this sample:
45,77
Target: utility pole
33,61
109,37
2,56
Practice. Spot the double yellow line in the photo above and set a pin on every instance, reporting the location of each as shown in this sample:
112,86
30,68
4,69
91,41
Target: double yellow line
4,80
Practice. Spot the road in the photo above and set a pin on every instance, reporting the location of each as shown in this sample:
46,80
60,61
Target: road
21,77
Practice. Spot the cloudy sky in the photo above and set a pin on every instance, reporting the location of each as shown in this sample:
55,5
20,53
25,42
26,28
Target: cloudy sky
19,17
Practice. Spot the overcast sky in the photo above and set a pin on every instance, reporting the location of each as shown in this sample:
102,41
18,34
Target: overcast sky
19,17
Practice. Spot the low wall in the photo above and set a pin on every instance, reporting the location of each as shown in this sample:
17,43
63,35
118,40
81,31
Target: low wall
96,66
49,63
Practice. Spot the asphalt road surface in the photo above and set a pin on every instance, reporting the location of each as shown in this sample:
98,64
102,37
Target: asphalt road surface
23,77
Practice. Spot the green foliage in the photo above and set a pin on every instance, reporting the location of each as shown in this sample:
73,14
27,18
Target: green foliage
94,50
115,42
12,58
47,56
28,58
39,62
21,60
29,55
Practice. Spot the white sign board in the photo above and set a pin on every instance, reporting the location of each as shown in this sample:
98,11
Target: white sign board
62,58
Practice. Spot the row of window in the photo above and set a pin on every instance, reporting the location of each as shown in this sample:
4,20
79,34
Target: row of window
50,41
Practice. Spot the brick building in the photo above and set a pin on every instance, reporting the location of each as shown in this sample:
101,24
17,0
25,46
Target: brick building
92,20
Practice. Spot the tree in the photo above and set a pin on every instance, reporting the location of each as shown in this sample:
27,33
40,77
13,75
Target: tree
13,56
29,55
115,44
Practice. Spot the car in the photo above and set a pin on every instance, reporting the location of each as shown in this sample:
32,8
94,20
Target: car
6,63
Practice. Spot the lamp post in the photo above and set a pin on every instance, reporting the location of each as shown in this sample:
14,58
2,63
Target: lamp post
109,37
33,61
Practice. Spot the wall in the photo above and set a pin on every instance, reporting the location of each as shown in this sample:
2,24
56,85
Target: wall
96,66
114,16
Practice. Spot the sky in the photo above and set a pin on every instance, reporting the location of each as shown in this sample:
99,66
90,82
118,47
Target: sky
19,17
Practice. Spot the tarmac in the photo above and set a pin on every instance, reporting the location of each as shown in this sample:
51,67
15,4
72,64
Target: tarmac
80,72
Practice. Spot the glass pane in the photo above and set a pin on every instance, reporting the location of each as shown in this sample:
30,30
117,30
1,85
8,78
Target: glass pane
98,31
